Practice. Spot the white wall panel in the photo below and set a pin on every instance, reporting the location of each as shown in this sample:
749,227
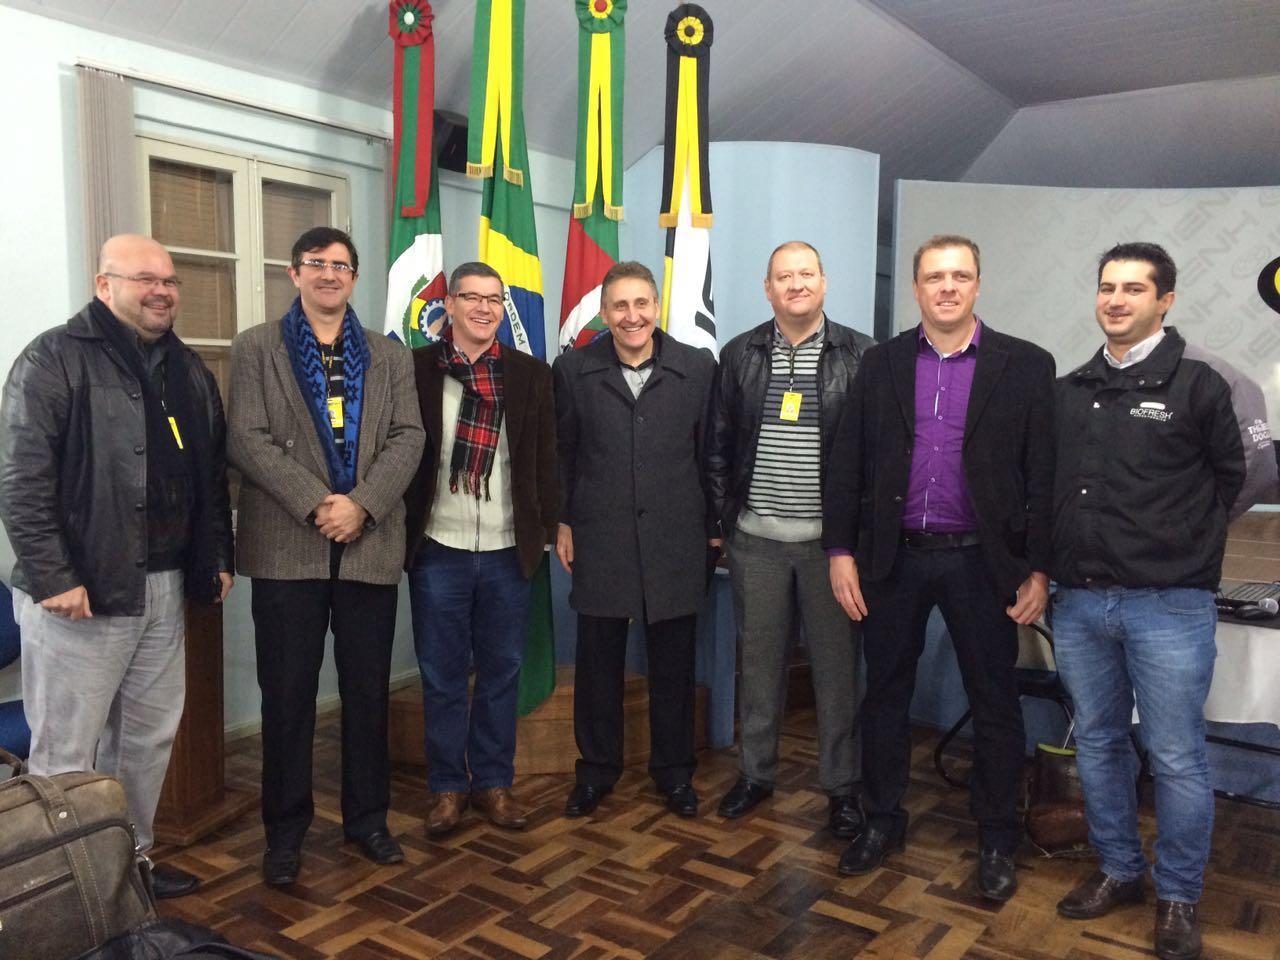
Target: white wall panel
1040,248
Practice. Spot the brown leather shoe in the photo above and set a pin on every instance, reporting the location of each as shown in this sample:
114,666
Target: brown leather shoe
500,807
1099,895
1177,930
446,813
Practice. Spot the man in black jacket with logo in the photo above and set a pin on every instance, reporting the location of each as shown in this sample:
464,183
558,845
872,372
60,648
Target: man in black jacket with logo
939,494
1152,459
113,491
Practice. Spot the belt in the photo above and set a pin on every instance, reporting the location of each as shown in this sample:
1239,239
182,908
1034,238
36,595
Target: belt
924,540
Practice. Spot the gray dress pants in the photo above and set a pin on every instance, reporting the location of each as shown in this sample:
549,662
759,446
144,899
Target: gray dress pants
106,693
773,583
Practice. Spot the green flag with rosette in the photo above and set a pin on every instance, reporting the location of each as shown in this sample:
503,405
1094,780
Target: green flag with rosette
415,280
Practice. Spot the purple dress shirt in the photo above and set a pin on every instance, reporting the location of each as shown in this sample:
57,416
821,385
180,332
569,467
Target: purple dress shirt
937,492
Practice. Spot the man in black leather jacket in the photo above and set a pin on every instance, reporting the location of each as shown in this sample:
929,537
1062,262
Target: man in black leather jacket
779,394
113,492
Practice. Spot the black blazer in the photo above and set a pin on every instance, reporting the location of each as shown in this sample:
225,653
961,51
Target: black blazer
529,419
632,481
1008,457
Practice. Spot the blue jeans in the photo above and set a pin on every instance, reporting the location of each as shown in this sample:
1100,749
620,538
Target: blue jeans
468,607
1116,644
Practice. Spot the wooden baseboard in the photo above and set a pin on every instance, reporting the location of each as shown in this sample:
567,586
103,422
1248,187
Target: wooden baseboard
177,830
325,704
544,738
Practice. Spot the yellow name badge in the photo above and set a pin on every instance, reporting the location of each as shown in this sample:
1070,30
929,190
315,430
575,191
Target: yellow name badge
790,406
335,412
173,425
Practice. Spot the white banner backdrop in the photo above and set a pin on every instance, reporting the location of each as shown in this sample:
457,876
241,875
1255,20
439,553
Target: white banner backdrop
1040,248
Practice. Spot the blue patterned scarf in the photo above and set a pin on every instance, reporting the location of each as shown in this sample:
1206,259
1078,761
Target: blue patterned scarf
308,369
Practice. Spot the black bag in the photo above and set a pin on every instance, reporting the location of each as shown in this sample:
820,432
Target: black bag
1055,808
70,874
166,938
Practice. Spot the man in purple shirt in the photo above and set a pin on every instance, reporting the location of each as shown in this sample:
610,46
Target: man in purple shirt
939,494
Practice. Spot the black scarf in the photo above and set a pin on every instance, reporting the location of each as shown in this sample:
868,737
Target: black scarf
179,494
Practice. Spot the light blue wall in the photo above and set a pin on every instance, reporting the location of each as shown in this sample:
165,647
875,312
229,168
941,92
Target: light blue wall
763,194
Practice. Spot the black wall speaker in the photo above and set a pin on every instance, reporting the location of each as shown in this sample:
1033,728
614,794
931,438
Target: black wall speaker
450,137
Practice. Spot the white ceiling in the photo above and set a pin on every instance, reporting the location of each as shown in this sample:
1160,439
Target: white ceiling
926,84
1034,51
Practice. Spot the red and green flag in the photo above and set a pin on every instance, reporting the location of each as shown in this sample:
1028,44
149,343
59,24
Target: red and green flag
597,192
415,279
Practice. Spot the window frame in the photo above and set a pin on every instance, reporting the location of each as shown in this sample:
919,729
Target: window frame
248,174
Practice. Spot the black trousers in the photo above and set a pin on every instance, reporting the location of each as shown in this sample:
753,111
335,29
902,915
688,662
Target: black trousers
597,699
956,581
291,619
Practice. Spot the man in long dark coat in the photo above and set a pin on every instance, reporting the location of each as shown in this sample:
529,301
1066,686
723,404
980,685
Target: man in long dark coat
634,531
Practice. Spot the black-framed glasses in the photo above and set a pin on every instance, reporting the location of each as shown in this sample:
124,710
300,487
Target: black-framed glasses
147,279
471,298
320,266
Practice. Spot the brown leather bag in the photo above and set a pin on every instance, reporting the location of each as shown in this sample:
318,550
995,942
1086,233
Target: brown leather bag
1055,805
70,875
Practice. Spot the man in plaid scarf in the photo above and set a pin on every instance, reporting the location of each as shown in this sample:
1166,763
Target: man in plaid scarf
479,512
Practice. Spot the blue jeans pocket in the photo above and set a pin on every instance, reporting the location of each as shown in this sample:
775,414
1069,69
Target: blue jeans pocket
1184,600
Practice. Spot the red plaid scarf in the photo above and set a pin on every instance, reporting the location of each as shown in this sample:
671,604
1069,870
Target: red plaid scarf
479,420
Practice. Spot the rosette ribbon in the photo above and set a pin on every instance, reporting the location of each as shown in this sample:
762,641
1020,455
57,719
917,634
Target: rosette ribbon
497,91
414,74
688,33
601,57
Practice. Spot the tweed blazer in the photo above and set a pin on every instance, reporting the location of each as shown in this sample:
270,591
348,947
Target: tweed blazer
271,440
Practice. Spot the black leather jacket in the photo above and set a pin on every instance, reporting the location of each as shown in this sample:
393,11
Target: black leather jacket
73,472
741,383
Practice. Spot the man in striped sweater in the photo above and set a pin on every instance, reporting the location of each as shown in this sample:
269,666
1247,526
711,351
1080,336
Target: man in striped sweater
780,389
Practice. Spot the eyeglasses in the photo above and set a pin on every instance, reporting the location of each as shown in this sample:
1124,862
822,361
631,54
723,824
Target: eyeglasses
341,269
147,280
471,299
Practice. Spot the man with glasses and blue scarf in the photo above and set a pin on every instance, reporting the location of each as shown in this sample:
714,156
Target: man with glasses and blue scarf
325,430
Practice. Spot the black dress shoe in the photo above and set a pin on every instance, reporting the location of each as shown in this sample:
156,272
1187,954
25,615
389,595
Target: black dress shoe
583,798
1099,895
168,882
682,800
380,847
997,876
280,866
1177,930
742,798
869,851
845,819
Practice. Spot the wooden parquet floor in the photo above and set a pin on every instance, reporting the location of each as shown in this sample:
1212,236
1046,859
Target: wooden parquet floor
635,881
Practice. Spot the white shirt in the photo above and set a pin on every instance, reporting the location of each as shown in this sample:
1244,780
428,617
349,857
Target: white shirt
461,520
1136,354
